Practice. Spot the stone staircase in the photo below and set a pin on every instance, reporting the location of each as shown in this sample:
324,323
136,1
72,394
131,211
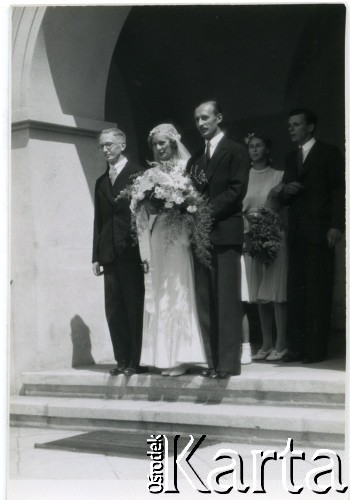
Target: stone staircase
267,404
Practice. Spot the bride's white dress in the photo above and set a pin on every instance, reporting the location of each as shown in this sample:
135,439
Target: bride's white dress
171,335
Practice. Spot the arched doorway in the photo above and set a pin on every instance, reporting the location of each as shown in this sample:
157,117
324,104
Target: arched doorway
258,61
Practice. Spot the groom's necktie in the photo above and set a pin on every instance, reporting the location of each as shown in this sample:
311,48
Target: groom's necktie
207,154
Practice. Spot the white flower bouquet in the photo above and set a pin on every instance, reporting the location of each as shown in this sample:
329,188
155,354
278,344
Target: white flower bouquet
166,189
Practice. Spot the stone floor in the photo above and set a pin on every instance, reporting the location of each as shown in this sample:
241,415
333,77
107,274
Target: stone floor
41,474
38,474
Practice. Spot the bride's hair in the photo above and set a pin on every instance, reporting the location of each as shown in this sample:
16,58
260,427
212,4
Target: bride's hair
167,129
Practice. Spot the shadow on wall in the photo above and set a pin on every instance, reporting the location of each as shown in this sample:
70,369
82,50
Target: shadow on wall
80,334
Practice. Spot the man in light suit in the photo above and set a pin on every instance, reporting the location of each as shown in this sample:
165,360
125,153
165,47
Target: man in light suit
220,170
314,189
116,256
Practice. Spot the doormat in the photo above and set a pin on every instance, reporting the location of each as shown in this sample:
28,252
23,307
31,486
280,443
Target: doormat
117,443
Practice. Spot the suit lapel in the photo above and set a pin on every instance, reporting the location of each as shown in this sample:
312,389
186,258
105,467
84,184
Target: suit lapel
197,170
294,165
122,179
106,188
311,157
111,191
219,152
201,163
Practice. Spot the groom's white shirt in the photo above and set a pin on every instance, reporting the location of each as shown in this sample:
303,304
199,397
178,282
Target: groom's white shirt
213,143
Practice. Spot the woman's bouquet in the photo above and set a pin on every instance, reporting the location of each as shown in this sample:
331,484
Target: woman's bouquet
264,235
166,189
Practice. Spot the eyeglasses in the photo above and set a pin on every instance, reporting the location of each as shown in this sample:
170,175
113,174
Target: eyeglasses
108,145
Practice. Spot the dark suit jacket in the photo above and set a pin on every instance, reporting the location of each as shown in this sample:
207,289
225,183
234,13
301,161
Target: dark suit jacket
112,236
321,204
226,183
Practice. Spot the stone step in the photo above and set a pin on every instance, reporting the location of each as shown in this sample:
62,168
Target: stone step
241,423
264,384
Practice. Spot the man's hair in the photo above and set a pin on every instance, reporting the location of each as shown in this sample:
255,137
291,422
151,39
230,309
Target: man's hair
310,116
216,106
115,131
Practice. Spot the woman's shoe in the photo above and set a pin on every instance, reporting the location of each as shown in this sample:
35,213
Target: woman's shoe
246,356
179,370
207,372
277,356
260,355
166,372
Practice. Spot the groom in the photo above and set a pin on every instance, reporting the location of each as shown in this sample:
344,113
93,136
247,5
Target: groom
220,171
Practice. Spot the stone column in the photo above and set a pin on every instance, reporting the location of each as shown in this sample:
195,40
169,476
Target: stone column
61,59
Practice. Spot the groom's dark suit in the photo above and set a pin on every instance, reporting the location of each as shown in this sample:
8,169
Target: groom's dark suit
224,180
318,207
114,249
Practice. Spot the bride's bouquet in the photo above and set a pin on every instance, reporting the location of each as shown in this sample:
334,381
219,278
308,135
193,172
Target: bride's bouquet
263,240
166,189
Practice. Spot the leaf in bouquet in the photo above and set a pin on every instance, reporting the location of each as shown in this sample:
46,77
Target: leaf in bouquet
265,236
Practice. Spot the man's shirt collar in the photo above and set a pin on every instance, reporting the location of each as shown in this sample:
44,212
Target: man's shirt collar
215,140
308,145
119,165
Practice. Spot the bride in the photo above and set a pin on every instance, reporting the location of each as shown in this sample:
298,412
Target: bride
171,337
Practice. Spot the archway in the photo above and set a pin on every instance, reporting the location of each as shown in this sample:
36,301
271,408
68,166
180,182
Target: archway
258,61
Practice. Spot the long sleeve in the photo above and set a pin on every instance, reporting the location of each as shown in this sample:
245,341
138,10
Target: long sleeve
96,228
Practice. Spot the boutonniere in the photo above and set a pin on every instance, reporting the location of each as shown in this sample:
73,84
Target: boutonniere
198,175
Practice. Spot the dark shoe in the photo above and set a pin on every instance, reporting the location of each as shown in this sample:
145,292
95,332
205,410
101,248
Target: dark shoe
142,369
291,357
207,372
133,371
307,360
117,370
221,375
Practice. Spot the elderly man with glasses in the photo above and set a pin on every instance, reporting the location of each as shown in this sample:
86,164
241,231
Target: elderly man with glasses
116,256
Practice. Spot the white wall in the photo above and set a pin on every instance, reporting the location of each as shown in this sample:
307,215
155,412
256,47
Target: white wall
61,59
51,228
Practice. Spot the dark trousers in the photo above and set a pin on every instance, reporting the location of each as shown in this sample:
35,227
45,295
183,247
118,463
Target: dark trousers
309,294
218,296
124,295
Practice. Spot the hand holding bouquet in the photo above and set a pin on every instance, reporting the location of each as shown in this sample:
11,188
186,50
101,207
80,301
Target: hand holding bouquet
264,235
166,189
